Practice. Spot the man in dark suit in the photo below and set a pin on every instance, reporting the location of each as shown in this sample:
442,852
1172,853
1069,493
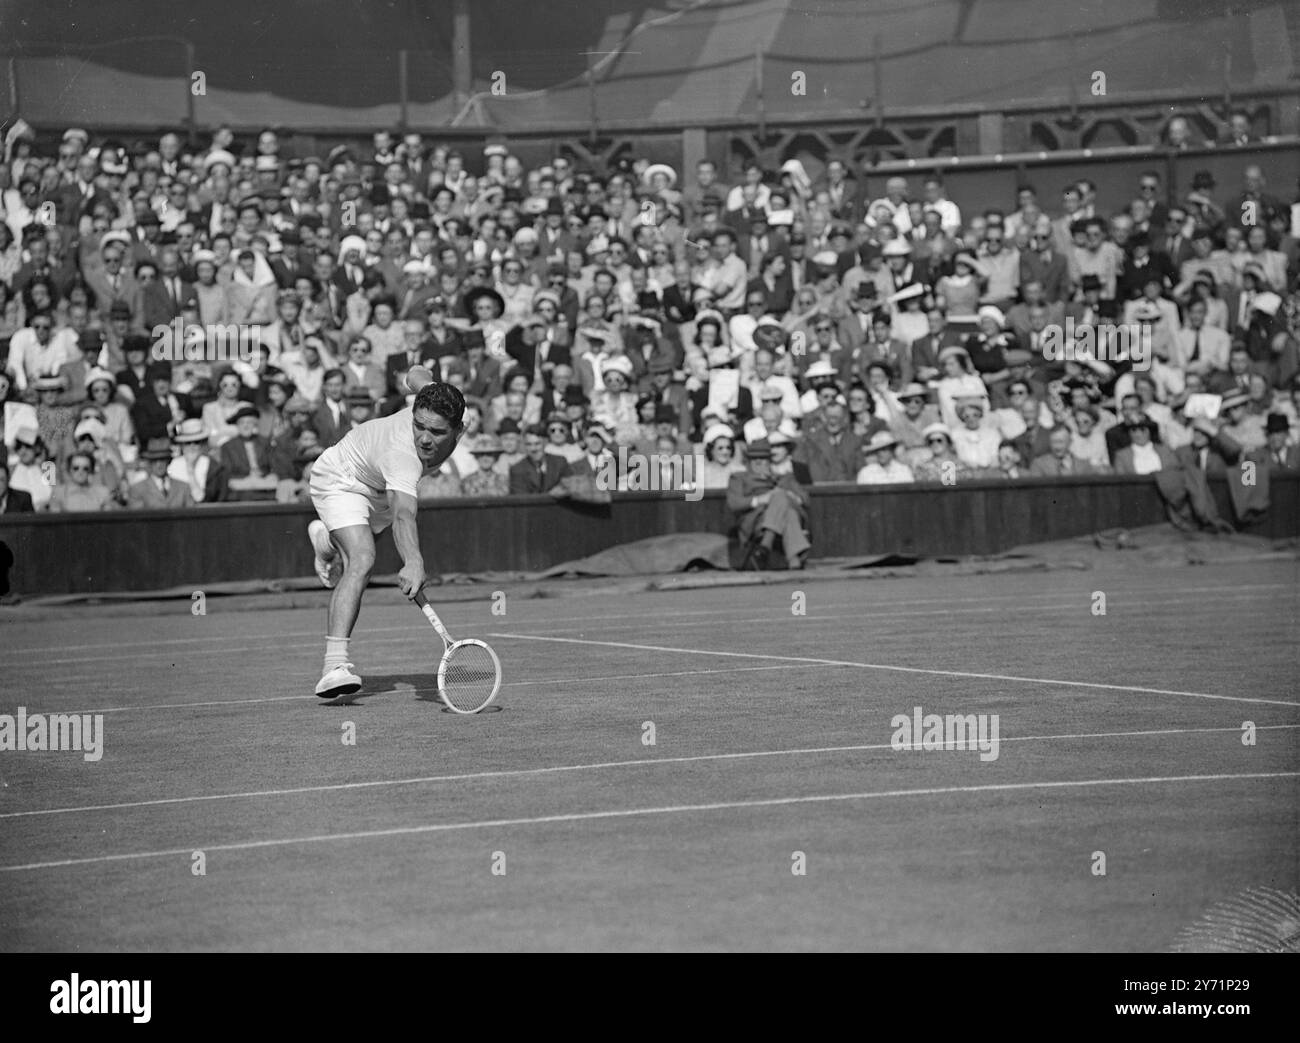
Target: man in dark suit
769,505
160,409
539,471
832,451
246,459
419,352
1043,264
842,189
1059,462
331,418
1275,454
164,298
485,374
157,491
13,501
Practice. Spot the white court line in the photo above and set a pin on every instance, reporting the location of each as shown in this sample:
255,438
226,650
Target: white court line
304,698
672,809
898,669
1028,596
238,643
599,766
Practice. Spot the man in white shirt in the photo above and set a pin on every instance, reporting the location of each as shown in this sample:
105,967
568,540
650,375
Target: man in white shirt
360,487
936,198
727,278
36,351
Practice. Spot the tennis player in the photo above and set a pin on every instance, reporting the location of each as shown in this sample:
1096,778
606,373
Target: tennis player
362,485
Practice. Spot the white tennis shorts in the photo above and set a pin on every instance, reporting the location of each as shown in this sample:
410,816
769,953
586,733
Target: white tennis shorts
341,501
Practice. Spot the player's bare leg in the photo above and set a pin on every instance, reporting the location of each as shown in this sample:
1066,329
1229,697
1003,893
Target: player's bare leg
357,545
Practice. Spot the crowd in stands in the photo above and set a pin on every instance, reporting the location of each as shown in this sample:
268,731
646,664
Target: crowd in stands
879,340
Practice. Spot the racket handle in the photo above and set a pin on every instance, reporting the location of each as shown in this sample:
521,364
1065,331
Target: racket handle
432,616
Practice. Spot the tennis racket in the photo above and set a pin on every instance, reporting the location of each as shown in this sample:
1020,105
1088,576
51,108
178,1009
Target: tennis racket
469,675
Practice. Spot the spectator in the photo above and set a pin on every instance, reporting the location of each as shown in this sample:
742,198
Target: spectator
881,467
769,507
1060,460
13,501
14,416
217,415
80,492
539,471
832,452
976,445
720,461
487,480
246,462
29,474
1010,463
195,468
942,464
156,491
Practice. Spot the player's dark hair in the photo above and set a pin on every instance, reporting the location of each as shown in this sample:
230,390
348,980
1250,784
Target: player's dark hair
443,399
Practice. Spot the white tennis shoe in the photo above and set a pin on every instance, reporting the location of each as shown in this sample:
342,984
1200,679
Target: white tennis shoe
339,681
329,562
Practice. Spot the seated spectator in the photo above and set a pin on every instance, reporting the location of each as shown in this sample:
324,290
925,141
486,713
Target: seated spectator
975,442
442,484
80,492
361,371
881,468
1010,463
195,467
539,471
958,381
1240,424
13,501
1060,460
217,414
770,506
832,452
101,391
14,416
54,420
1088,442
91,436
156,490
1143,455
942,464
720,461
246,460
487,480
331,419
597,456
29,474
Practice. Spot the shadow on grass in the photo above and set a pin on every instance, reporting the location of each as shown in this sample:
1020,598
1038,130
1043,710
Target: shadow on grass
422,685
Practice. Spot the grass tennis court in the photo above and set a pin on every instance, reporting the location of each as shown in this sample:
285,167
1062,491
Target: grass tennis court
1119,734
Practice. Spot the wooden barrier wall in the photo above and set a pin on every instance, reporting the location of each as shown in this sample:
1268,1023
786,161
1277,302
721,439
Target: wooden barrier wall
154,550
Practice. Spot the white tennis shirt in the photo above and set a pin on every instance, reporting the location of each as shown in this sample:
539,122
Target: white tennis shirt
379,455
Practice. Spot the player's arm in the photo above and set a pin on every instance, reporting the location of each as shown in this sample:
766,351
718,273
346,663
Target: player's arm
407,538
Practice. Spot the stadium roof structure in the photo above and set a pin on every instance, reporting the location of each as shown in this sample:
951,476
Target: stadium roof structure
671,64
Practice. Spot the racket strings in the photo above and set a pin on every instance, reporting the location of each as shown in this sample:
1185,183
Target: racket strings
470,677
